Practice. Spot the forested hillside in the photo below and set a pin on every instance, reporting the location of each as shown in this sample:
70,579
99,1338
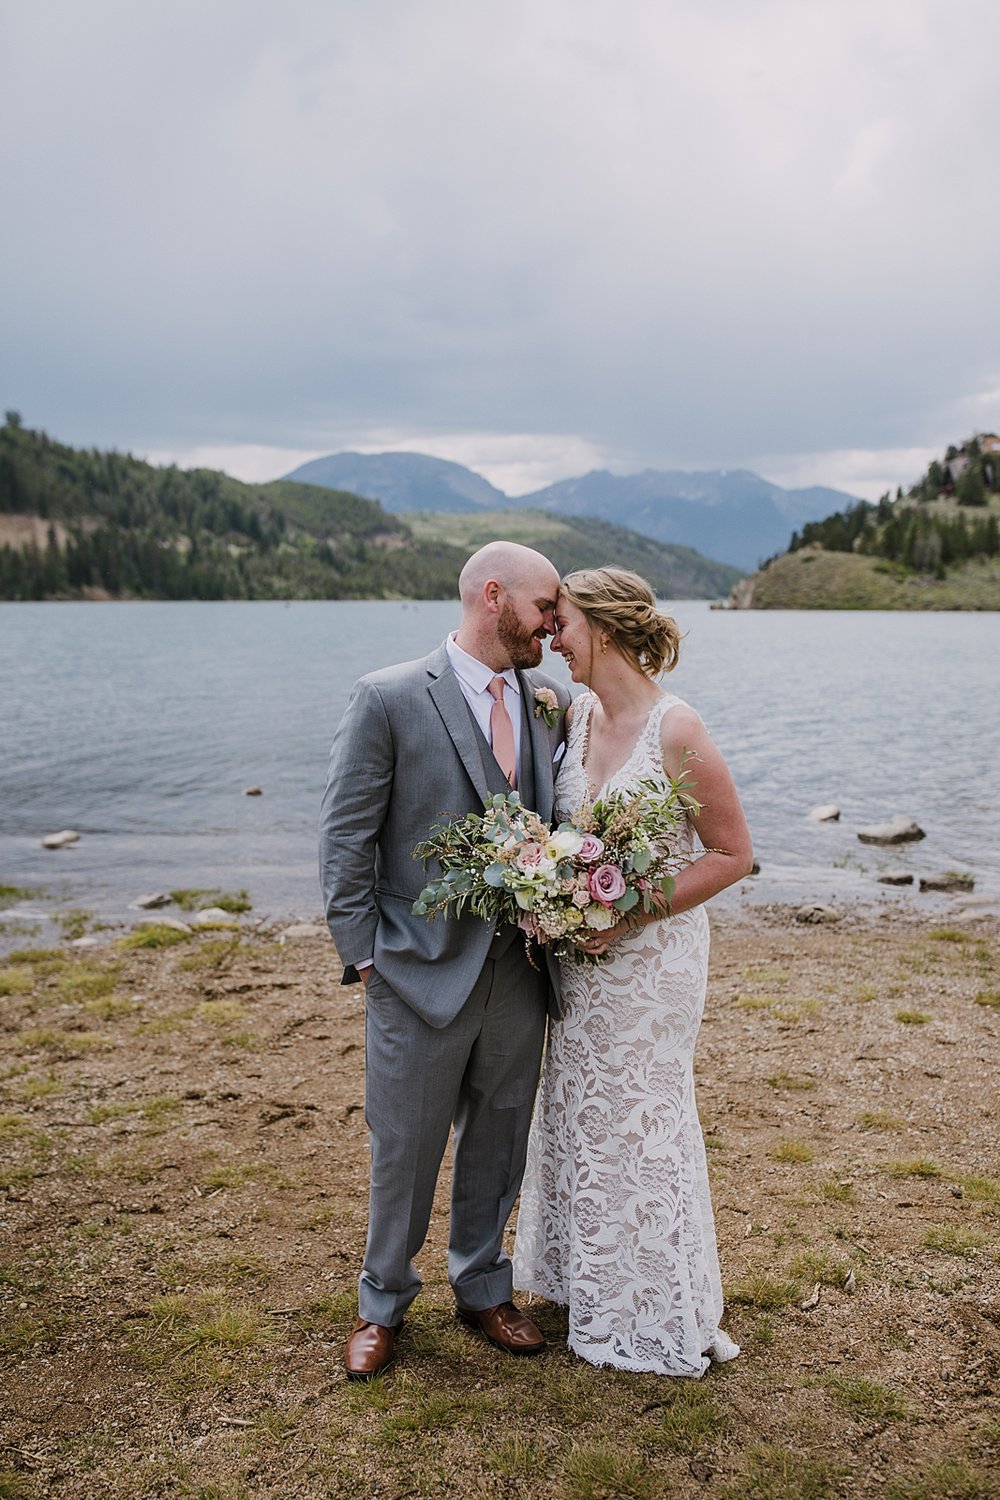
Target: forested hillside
935,547
83,524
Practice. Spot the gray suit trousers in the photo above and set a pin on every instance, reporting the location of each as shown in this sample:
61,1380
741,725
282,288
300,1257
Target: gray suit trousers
480,1071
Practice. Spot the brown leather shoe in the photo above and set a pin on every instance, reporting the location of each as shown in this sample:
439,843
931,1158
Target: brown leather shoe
370,1349
505,1327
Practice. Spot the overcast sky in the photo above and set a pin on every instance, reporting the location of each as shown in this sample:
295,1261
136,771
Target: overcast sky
538,236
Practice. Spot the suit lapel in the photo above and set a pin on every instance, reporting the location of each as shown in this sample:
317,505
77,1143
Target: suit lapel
449,700
541,750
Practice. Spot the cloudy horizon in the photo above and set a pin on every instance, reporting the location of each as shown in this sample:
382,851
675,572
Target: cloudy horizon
536,240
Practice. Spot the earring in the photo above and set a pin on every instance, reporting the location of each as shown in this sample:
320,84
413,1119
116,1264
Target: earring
604,645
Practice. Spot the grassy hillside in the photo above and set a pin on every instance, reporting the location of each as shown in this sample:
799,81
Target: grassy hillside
814,579
582,542
80,524
937,547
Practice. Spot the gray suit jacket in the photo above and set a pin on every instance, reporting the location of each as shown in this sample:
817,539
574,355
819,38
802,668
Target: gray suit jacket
406,755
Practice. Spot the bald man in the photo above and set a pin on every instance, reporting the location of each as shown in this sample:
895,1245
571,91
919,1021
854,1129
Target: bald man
454,1011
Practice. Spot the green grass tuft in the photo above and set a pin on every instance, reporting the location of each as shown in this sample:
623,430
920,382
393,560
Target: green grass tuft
868,1399
153,935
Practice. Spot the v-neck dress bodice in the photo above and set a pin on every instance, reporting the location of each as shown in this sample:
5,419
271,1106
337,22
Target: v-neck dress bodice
616,1218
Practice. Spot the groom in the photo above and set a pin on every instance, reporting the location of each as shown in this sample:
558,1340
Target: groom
454,1011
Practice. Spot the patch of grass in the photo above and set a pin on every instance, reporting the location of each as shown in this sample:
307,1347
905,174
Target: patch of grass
193,899
915,1166
102,1112
14,1126
797,1009
157,1109
41,958
775,1473
17,979
952,1479
692,1420
948,935
833,1190
868,1399
865,993
604,1472
29,1332
793,1151
953,1241
179,1324
989,997
980,1189
764,1291
237,1175
762,1334
429,1413
515,1458
13,1486
221,1012
767,974
74,923
9,894
34,1087
877,1119
47,1038
109,1007
211,954
82,982
756,1002
153,935
790,1082
819,1265
912,1017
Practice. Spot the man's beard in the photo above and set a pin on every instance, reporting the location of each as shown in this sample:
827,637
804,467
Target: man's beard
520,644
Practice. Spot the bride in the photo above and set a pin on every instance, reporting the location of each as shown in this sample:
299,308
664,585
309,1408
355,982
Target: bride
616,1218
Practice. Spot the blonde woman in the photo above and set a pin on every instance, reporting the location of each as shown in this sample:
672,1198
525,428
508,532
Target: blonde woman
616,1218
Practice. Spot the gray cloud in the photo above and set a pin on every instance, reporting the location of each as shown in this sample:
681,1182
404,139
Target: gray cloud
676,232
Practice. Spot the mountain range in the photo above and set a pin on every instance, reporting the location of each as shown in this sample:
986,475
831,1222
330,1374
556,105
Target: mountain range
732,515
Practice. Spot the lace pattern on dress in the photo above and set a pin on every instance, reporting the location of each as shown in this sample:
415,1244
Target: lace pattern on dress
615,1218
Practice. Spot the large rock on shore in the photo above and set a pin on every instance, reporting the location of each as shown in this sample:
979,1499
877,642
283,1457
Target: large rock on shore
895,877
898,830
61,840
828,813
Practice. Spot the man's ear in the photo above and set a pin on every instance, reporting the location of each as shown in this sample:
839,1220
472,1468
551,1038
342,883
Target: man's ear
492,595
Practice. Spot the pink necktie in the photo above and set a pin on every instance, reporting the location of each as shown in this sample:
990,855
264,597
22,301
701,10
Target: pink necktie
502,733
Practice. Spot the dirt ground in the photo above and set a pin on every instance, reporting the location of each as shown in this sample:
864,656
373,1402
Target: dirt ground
184,1175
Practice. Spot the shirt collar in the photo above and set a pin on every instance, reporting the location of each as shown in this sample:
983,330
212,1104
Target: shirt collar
475,673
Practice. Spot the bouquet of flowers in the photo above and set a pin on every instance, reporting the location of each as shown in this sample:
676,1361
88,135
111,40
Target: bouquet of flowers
617,855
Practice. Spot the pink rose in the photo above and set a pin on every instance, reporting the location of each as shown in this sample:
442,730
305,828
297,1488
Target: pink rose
607,883
529,925
591,849
530,856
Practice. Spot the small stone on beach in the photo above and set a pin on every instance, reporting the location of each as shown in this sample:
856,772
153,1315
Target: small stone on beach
895,877
951,880
60,840
253,791
151,902
214,916
817,912
898,830
828,813
300,930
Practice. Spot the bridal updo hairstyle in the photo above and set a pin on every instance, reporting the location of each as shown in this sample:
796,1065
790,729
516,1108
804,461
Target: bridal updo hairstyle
623,604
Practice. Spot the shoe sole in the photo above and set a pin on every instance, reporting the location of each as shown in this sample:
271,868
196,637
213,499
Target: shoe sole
524,1353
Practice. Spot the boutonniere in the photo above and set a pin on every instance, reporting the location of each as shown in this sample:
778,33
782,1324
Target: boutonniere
547,707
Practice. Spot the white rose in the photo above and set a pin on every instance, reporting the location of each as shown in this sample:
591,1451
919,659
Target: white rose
565,843
600,918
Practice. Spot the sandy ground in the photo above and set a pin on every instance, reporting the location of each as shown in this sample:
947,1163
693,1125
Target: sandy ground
184,1200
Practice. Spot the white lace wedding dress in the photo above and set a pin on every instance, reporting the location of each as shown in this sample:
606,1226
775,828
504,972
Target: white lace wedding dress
615,1219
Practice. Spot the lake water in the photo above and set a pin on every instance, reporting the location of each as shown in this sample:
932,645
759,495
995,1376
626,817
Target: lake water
139,725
